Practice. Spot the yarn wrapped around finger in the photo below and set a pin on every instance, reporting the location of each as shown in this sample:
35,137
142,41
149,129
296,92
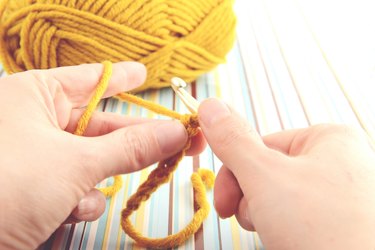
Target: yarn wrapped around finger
171,37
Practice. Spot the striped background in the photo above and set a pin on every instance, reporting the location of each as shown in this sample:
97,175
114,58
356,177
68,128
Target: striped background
295,63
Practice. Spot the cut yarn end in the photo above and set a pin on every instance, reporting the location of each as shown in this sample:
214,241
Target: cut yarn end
161,174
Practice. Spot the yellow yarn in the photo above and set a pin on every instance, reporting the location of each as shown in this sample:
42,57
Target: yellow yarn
180,237
183,38
95,99
85,118
112,190
158,176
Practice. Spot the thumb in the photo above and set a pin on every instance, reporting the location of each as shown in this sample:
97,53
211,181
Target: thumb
235,142
132,148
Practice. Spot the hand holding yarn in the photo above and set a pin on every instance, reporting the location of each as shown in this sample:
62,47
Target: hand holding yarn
46,171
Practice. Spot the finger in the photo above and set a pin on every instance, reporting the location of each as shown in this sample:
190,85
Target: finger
90,208
243,216
132,148
72,87
237,145
282,141
198,144
102,123
301,141
227,193
79,82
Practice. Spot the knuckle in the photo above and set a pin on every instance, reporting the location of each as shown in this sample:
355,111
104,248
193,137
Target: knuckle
39,77
45,81
36,74
339,129
346,130
352,132
342,134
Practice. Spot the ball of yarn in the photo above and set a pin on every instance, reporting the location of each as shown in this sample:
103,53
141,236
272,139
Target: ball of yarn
183,38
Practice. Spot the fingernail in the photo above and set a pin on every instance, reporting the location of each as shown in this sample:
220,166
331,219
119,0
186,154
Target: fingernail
85,206
171,136
212,111
220,216
246,216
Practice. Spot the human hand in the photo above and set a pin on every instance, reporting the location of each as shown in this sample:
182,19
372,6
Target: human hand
310,188
47,173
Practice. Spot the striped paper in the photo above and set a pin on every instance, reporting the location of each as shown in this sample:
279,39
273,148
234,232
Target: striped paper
285,71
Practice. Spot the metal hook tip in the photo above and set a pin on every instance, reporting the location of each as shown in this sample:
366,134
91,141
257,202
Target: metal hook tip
178,82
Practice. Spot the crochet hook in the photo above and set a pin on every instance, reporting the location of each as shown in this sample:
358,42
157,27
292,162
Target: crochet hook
190,102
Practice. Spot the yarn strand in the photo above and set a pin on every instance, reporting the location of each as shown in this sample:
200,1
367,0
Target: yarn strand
85,119
160,175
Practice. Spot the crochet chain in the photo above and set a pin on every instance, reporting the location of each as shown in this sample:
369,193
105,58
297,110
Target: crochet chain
158,176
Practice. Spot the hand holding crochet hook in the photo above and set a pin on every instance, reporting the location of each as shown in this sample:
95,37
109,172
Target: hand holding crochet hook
310,188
